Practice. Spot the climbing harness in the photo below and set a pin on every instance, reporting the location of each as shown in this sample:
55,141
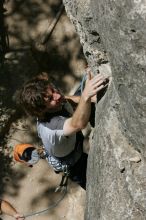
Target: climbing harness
58,167
57,164
63,184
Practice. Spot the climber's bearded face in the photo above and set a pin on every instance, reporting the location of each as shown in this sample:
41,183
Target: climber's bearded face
53,99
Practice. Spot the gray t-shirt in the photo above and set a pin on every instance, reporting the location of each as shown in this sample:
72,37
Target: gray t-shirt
53,138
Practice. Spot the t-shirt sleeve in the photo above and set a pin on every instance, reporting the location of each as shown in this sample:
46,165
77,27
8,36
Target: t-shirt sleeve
55,142
56,123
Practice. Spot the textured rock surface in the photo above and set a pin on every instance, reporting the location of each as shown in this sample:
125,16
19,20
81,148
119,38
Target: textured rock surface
116,186
32,190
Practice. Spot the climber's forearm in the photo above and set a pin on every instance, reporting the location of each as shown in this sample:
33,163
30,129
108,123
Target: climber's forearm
73,98
81,116
7,208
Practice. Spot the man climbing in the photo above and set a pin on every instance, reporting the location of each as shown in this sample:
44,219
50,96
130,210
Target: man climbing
8,209
58,127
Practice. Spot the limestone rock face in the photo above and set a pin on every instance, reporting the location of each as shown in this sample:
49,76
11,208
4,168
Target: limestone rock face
115,32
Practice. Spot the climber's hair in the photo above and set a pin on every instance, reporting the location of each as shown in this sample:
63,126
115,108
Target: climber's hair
31,96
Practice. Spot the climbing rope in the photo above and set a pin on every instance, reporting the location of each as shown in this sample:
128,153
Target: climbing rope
46,210
41,43
4,45
63,188
51,26
44,37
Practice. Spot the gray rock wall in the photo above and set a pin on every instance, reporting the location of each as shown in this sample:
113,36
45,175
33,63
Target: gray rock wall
115,31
